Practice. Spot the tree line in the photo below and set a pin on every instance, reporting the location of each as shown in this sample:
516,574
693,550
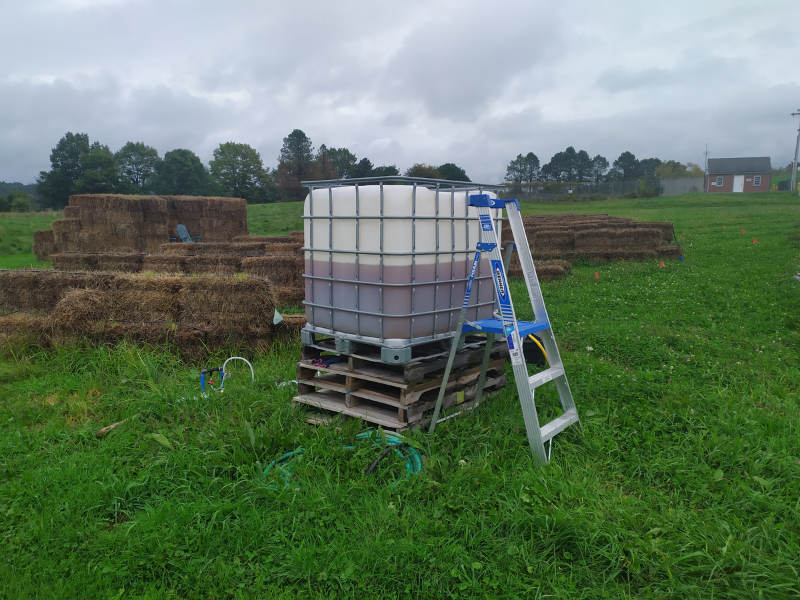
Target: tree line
579,167
81,167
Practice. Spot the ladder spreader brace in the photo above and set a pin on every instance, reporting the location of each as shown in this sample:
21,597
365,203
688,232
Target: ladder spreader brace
512,330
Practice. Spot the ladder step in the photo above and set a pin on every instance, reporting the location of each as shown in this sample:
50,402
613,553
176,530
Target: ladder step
535,381
556,426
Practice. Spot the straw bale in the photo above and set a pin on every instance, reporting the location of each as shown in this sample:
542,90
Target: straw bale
44,244
672,251
19,325
79,310
226,302
164,263
289,328
267,239
287,296
75,261
548,270
122,263
66,225
72,212
280,270
147,298
617,239
216,264
547,239
665,229
22,289
242,249
275,249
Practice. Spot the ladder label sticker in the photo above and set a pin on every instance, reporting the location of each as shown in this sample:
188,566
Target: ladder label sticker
486,222
502,289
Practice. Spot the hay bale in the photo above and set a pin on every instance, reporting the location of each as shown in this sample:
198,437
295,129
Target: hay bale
549,270
139,298
286,296
277,249
267,239
75,261
215,264
44,244
20,325
218,248
164,263
72,212
665,229
280,270
34,290
289,328
672,251
79,310
79,261
551,239
617,239
225,304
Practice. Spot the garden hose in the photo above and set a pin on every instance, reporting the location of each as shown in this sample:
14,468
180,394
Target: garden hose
393,441
538,343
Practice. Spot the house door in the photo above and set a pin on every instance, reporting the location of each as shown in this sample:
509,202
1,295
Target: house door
738,183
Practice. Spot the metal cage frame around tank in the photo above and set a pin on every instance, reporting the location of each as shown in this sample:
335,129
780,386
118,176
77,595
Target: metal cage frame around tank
396,350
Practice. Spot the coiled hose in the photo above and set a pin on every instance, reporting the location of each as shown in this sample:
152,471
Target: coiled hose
391,440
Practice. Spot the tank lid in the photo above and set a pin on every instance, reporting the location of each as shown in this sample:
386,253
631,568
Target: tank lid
431,183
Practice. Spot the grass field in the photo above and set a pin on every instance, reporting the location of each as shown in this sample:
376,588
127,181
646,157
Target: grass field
684,481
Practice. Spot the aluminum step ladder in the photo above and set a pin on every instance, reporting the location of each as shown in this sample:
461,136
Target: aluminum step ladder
514,331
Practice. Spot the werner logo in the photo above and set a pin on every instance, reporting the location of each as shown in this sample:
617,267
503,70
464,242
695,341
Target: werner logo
486,222
501,286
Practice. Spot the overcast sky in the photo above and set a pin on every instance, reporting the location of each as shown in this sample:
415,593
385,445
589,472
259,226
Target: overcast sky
434,81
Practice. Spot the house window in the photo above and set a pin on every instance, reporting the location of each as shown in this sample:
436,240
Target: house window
719,180
757,180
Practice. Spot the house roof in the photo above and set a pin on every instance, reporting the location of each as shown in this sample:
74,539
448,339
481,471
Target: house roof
749,164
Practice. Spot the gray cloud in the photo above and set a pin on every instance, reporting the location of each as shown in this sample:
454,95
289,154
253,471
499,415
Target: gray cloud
438,81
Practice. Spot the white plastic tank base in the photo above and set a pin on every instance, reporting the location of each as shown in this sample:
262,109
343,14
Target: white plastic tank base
392,263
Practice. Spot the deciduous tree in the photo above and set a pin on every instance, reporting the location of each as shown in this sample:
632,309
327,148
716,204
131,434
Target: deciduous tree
139,163
424,171
181,173
344,161
56,185
239,170
101,173
452,172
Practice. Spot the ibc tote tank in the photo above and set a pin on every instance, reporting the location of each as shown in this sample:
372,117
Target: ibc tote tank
388,264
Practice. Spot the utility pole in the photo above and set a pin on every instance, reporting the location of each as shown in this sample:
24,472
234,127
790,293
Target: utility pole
705,166
796,147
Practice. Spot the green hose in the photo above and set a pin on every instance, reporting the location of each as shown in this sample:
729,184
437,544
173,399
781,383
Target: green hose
387,438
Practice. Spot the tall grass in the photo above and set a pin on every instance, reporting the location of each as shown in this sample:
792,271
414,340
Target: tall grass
683,481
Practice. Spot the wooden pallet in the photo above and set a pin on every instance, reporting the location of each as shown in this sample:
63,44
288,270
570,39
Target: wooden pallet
376,385
417,370
328,405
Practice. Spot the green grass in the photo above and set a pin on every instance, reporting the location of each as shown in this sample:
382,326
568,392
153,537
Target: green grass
280,218
16,238
684,481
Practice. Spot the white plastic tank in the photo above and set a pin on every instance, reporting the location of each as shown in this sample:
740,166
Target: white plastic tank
390,263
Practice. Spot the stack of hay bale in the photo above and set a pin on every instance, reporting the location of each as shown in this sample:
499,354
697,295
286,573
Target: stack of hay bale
197,295
197,314
129,224
556,239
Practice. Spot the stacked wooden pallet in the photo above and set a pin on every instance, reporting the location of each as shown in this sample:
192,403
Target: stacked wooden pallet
393,396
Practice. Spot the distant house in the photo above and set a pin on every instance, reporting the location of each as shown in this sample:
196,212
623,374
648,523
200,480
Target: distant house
750,174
